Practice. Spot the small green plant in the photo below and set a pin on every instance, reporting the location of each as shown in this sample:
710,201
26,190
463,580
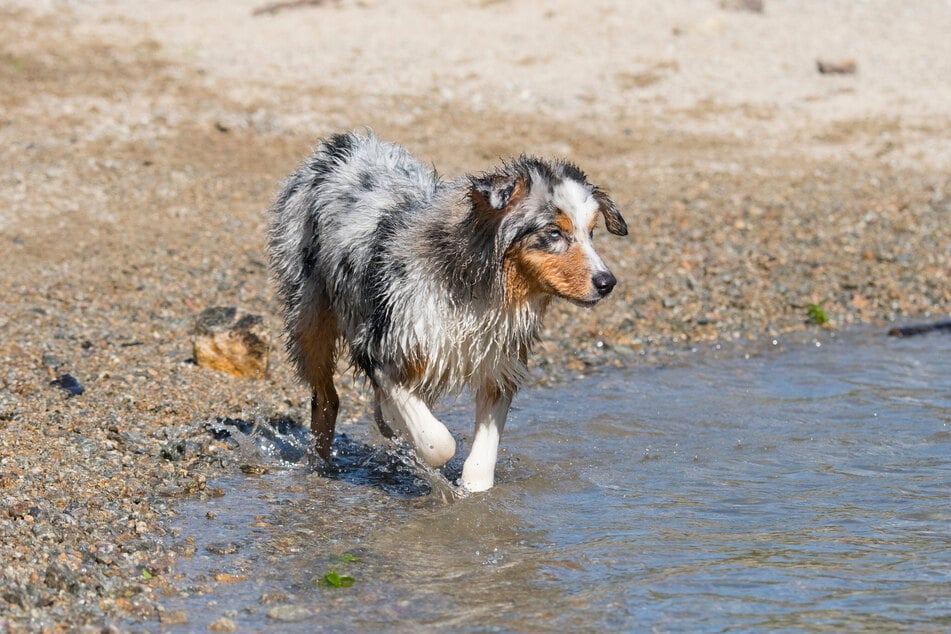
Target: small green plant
816,313
146,574
333,580
348,558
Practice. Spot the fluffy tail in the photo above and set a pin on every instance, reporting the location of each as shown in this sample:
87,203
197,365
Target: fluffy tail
293,245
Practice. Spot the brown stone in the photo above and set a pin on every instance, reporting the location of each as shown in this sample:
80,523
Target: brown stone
231,343
837,66
173,617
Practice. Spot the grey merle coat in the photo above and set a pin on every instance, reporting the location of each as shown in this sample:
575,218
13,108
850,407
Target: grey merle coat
432,284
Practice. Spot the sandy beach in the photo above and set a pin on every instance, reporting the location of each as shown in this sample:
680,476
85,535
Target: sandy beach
142,143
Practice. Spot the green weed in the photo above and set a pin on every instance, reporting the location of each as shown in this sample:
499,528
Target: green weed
816,313
333,580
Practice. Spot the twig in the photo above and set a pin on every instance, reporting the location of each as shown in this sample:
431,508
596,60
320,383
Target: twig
920,329
275,7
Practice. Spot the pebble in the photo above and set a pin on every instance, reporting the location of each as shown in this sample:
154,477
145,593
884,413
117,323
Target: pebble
224,577
837,66
224,624
290,613
69,384
59,577
753,6
173,617
52,362
222,548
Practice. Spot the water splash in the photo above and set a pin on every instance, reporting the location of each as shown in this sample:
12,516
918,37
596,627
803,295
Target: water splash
393,467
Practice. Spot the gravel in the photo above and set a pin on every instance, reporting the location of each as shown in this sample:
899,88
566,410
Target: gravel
136,175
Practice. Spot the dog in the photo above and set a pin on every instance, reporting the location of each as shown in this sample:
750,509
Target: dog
434,285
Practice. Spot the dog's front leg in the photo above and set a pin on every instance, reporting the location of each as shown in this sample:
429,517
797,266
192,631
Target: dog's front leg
411,415
492,407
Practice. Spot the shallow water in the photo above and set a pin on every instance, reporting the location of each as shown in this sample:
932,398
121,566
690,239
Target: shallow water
804,487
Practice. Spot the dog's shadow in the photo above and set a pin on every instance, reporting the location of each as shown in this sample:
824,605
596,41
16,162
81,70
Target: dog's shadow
392,468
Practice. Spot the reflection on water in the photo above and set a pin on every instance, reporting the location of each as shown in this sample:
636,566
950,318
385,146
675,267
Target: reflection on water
803,488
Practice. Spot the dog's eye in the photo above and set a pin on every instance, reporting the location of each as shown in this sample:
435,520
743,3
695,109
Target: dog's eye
556,234
591,234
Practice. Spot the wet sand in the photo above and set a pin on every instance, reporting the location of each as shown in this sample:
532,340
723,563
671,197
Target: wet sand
140,153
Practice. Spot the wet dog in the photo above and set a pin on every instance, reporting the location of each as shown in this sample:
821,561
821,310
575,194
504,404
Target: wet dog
433,285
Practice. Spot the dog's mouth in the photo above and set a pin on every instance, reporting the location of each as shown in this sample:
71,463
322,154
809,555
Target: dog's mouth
584,303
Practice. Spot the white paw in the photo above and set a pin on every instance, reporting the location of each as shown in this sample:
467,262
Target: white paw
476,479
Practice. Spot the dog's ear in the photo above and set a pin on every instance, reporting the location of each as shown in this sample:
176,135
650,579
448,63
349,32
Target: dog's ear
497,191
612,215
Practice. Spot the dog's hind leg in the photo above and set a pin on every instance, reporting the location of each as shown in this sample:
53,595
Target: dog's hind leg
492,408
411,415
317,347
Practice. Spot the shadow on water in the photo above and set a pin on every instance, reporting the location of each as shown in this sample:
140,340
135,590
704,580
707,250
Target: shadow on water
391,468
803,486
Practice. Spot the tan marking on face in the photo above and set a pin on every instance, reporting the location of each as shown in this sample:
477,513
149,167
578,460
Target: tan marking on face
529,272
563,221
519,287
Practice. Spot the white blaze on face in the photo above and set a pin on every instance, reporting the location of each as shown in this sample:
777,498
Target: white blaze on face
576,200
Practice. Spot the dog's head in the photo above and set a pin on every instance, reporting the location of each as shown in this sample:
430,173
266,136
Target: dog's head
544,215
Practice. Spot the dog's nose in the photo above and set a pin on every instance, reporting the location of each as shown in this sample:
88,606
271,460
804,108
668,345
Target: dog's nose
603,282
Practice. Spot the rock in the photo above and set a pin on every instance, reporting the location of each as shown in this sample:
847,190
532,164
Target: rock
222,548
173,617
19,510
183,449
225,341
754,6
69,383
8,405
52,362
45,530
275,597
224,624
837,66
25,595
59,577
104,553
290,613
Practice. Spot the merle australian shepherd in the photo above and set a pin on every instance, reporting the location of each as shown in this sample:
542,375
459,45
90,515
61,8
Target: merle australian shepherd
433,285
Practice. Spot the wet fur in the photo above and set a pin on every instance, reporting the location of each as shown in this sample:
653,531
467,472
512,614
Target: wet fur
434,285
